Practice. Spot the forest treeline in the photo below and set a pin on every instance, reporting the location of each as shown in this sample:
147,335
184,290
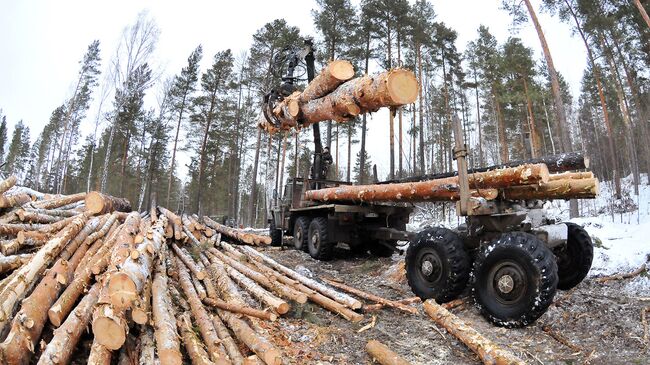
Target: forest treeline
513,105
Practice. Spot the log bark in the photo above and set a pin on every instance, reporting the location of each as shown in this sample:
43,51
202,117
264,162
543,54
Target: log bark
572,176
175,222
164,316
8,263
7,183
362,95
9,201
12,229
109,324
383,355
192,344
189,262
439,189
99,203
644,13
257,343
30,320
372,297
29,272
99,355
367,308
555,163
127,283
265,315
228,342
147,347
64,213
278,288
342,298
488,351
556,189
206,328
141,308
238,235
329,78
59,201
278,305
312,295
34,217
65,339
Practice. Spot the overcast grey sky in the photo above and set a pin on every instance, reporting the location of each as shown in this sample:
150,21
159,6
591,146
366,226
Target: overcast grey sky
42,41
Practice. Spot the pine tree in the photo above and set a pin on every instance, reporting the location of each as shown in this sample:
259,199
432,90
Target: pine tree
17,159
180,94
3,135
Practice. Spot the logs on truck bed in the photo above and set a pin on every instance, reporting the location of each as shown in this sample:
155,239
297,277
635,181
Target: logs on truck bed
488,351
360,95
556,189
440,189
383,355
99,203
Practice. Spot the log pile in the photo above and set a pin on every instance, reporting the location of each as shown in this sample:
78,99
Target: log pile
335,95
513,182
154,286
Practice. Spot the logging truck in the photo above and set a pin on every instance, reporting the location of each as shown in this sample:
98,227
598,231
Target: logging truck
516,256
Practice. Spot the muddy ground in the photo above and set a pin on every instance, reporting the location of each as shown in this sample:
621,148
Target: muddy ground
594,323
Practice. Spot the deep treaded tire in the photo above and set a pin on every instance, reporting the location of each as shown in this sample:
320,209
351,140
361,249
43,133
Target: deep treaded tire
301,233
515,279
437,265
320,247
574,260
276,234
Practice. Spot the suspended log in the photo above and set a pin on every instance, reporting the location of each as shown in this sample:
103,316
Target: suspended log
487,351
59,201
255,290
65,339
383,355
372,297
265,315
30,320
164,316
7,183
193,345
8,263
440,189
555,163
35,267
127,283
99,355
342,298
8,201
206,328
556,189
238,235
330,77
98,203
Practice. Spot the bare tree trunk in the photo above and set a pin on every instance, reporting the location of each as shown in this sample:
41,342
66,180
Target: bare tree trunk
644,14
421,114
253,196
171,168
107,159
555,83
534,137
503,140
362,156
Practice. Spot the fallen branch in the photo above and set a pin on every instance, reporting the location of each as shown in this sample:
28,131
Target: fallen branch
383,355
374,298
622,276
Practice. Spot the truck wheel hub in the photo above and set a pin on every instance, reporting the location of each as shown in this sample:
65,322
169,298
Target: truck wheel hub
508,281
506,284
431,267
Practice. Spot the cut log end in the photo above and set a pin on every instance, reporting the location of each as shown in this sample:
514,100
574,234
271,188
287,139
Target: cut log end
109,333
341,70
402,87
122,289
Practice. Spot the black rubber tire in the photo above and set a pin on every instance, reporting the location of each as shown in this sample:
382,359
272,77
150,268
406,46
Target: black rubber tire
276,234
525,260
376,248
301,233
574,259
450,265
320,248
